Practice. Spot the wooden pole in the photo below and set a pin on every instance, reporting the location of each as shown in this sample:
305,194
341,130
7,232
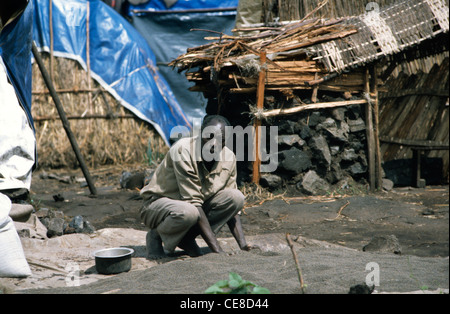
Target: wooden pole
257,123
374,88
323,105
369,132
297,264
88,55
64,120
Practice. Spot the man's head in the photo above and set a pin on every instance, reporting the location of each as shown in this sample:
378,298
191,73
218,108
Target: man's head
213,136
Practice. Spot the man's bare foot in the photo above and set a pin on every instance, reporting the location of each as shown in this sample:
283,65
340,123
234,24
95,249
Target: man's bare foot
191,247
155,249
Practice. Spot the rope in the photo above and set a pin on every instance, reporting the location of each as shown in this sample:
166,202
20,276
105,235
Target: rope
333,56
258,113
440,11
382,32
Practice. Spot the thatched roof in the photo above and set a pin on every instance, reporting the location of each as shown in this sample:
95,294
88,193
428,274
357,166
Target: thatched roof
314,50
393,29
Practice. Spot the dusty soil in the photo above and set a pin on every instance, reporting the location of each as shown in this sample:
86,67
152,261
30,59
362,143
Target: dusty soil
329,233
419,218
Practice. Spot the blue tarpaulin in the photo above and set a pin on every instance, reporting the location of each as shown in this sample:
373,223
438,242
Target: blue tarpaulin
120,58
168,33
15,50
182,5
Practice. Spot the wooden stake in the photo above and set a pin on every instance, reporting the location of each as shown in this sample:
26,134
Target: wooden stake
369,132
374,88
257,124
297,265
64,120
315,89
88,55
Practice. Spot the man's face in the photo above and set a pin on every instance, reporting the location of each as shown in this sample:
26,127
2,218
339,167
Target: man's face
213,141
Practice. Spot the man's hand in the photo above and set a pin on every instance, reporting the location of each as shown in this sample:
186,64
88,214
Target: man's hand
235,226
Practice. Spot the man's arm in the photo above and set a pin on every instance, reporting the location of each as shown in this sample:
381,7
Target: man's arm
207,233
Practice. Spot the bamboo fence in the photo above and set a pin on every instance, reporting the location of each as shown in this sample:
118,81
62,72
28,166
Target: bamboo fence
107,133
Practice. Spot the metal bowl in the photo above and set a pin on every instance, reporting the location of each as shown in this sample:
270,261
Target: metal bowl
113,261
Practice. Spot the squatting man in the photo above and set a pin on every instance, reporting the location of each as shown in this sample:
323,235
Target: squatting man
194,192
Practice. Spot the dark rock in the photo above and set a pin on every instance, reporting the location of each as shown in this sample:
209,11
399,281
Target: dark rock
132,181
349,154
295,160
354,111
357,143
387,244
88,228
305,132
290,140
327,123
334,150
55,227
335,174
320,148
288,127
339,132
357,168
45,221
271,181
58,198
77,223
339,113
363,159
315,118
312,184
387,184
356,125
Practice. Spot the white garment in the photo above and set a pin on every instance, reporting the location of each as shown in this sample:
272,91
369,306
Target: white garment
17,139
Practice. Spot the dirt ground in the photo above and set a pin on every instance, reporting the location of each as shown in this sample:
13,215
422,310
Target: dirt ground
418,218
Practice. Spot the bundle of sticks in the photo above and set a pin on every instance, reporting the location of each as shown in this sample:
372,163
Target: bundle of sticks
232,62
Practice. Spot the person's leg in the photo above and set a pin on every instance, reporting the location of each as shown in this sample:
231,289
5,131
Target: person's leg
169,221
223,207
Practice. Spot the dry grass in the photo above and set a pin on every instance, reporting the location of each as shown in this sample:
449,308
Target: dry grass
102,141
256,195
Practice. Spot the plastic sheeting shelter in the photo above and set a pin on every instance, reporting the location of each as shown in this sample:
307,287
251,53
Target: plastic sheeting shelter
15,50
120,59
168,32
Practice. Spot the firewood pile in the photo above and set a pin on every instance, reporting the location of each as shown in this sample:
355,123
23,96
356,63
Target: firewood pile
233,62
